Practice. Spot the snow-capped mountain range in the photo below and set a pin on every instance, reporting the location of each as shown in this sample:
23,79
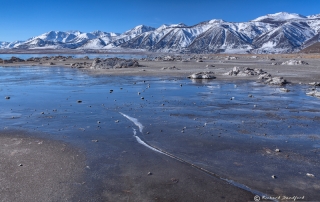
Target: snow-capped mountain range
273,33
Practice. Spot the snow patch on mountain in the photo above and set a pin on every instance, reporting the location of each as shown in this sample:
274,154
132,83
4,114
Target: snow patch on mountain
313,16
281,16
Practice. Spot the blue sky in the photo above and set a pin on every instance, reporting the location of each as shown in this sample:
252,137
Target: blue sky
22,19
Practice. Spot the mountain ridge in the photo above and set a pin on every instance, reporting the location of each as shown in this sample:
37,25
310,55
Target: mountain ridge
272,33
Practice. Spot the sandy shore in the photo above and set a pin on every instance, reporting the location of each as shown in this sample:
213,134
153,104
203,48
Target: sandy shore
293,73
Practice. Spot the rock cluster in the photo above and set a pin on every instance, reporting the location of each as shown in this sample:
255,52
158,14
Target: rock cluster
202,75
263,76
81,65
170,68
268,79
45,58
34,59
113,63
294,62
178,58
245,71
12,60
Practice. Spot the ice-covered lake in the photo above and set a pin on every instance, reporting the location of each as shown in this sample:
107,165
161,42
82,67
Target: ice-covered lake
230,129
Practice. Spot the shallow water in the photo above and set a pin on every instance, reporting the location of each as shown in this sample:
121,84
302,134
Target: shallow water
213,125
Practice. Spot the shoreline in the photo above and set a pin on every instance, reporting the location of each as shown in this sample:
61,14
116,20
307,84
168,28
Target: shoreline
295,74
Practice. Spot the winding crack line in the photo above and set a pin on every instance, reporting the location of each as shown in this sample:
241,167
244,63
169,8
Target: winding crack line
156,149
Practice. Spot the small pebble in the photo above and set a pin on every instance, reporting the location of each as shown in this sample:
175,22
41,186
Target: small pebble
117,121
7,97
149,173
79,101
310,175
277,150
94,140
274,177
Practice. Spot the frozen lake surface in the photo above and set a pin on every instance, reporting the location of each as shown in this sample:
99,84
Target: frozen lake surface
230,129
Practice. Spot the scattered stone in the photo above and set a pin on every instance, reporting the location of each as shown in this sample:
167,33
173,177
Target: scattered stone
294,62
149,173
7,98
79,101
274,177
94,140
98,122
230,58
284,89
209,65
277,150
20,164
202,75
314,93
199,61
170,68
117,121
314,83
310,175
168,58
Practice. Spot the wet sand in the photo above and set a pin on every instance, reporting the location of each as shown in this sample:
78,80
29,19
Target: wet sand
121,174
38,169
41,169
